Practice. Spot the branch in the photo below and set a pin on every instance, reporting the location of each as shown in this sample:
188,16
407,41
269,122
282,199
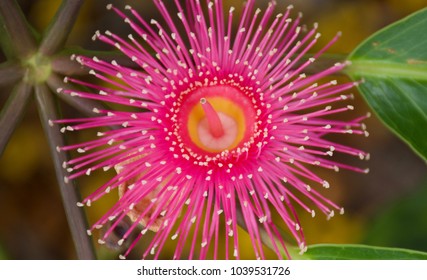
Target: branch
75,215
83,105
62,63
19,38
13,112
10,73
60,26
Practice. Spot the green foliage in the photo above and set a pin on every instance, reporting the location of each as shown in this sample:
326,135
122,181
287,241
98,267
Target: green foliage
393,65
403,223
360,252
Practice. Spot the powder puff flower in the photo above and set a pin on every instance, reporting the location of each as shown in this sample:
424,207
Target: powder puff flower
213,125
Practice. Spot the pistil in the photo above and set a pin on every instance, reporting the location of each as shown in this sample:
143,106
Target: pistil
214,122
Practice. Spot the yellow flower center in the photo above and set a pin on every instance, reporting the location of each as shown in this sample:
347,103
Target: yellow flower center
217,118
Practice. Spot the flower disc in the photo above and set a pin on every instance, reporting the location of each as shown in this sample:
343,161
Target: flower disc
235,111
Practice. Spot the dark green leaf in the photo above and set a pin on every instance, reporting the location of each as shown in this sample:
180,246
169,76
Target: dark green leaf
393,64
360,252
402,223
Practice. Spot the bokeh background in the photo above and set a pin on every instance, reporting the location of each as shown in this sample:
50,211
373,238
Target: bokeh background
387,207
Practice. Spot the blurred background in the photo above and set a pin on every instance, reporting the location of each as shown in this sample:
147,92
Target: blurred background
386,207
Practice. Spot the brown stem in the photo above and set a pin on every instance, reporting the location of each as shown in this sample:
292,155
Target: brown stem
60,27
62,63
85,106
19,36
13,112
65,66
10,73
75,215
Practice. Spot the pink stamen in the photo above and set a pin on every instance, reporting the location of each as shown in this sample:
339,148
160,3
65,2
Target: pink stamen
188,192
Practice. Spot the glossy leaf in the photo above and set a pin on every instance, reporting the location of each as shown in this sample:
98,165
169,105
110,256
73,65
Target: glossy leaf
360,252
393,65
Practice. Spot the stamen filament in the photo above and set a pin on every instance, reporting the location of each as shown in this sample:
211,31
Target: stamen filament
214,123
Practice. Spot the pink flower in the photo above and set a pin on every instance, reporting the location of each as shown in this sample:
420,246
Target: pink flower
213,121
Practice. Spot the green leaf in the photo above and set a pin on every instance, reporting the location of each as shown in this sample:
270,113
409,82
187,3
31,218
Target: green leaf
393,65
401,224
360,252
